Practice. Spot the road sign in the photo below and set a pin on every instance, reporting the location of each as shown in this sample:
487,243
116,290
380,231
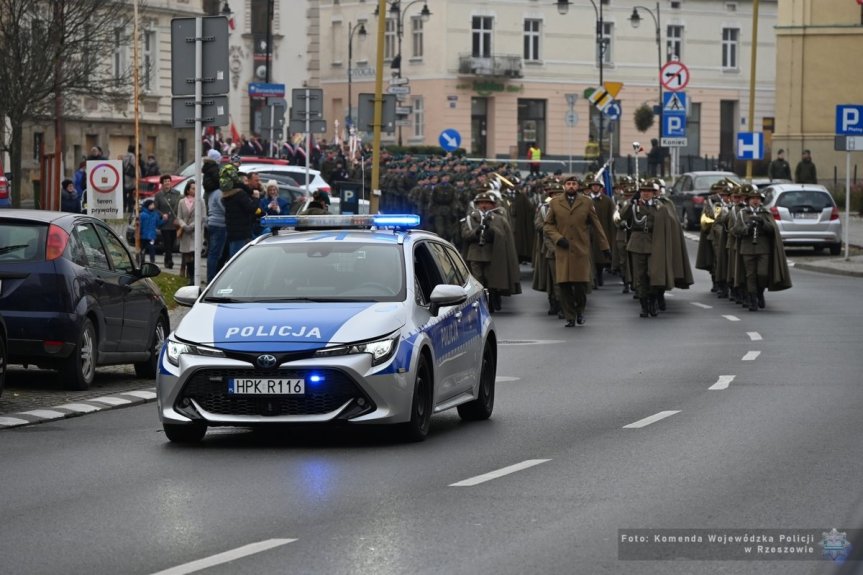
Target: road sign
673,125
214,111
106,183
673,102
403,110
449,140
674,76
613,88
571,99
214,56
396,81
601,98
399,90
848,143
315,104
849,120
750,145
315,126
260,90
403,122
571,119
366,113
613,110
673,142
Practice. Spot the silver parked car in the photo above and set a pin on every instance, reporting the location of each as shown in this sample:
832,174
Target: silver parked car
806,215
340,324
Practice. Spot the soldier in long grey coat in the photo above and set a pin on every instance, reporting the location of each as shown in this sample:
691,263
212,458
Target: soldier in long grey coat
568,224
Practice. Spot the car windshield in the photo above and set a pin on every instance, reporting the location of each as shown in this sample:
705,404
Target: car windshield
811,199
704,182
313,271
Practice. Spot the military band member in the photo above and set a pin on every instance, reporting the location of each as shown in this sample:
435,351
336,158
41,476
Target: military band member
736,275
543,262
719,237
567,225
491,249
705,258
761,250
604,206
626,189
640,216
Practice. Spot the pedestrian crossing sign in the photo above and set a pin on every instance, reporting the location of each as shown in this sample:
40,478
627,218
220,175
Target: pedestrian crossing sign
674,102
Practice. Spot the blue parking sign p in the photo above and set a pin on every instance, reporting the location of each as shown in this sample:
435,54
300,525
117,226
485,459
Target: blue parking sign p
849,120
673,125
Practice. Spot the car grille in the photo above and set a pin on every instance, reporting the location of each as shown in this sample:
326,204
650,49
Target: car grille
209,389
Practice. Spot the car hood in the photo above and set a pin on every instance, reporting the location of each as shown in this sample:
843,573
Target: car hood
288,326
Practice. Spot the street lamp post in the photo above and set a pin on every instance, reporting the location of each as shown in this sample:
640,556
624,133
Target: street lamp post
361,30
601,45
399,13
635,20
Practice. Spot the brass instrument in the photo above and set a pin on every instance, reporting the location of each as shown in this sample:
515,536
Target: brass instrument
483,216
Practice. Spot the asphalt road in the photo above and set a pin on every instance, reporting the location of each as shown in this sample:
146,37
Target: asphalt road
607,427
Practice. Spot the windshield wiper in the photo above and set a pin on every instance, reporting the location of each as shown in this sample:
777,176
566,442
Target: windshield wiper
284,299
7,249
216,299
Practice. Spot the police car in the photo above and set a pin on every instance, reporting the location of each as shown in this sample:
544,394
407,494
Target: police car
358,319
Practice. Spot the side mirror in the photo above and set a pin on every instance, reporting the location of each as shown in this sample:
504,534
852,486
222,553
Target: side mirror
445,295
149,270
187,295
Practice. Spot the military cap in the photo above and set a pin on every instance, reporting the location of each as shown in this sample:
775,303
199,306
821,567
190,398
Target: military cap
485,197
572,178
553,187
645,184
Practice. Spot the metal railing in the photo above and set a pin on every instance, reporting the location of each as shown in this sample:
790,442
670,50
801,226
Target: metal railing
495,66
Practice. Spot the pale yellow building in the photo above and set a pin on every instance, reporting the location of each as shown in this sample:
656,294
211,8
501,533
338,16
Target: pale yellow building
819,44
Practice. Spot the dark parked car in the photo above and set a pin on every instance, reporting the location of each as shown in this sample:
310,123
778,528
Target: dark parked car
689,193
3,352
73,298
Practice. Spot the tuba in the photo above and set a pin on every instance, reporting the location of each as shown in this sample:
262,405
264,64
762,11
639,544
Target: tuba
708,216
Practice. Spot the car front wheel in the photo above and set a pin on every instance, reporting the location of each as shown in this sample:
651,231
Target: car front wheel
80,367
148,367
481,407
3,363
185,432
421,407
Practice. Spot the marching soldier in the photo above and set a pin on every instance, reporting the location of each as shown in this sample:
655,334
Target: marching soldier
604,206
544,278
567,225
705,259
621,235
719,238
674,267
640,216
491,249
736,277
761,250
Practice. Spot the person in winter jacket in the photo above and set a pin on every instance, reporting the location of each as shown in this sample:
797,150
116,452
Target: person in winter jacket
69,201
242,206
151,220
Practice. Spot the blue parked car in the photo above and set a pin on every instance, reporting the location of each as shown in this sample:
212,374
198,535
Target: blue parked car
73,298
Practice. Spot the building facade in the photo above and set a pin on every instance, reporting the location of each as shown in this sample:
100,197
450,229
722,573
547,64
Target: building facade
817,51
502,73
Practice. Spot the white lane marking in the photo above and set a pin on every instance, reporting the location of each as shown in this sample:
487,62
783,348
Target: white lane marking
529,341
754,335
141,394
225,557
652,419
750,356
501,378
669,294
112,400
12,421
79,407
721,383
701,305
731,317
45,414
499,473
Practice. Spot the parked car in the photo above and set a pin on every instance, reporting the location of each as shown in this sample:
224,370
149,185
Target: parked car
3,351
73,298
358,326
762,183
690,191
270,167
806,215
5,192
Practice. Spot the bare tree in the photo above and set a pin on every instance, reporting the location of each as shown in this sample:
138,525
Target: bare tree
52,52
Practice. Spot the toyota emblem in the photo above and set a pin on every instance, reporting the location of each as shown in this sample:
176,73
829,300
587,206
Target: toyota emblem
267,361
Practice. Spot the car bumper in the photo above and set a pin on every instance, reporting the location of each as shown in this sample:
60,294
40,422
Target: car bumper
833,235
29,331
351,391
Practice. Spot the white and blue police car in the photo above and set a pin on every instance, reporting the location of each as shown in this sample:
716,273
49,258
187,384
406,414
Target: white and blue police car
360,319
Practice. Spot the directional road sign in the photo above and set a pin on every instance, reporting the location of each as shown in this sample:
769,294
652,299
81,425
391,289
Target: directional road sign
449,140
849,120
399,90
396,81
613,110
674,76
750,145
673,102
263,90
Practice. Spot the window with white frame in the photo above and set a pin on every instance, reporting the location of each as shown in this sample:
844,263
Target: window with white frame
148,60
532,29
336,43
481,29
675,42
730,38
417,36
604,49
390,39
419,117
120,63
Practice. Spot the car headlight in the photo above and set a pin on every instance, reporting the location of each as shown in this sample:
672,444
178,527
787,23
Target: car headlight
177,348
381,350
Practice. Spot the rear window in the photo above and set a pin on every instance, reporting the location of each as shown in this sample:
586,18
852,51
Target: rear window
21,243
811,199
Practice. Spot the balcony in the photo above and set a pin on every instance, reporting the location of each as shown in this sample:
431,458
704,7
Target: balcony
500,66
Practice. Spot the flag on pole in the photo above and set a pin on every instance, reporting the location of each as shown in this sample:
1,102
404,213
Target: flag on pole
608,180
235,135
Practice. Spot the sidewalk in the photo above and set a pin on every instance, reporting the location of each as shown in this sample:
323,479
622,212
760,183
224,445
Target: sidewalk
838,265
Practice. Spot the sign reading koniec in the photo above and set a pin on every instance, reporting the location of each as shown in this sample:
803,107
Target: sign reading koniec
105,188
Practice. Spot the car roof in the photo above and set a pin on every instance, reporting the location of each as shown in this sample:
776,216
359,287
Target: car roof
710,173
42,216
348,235
798,187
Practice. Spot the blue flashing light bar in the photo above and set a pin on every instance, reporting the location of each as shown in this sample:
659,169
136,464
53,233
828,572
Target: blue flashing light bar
402,221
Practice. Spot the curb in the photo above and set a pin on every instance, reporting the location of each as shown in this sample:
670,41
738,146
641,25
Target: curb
78,408
829,269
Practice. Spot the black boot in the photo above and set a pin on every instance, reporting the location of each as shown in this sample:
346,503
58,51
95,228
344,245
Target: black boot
651,306
599,280
644,310
723,290
660,301
714,288
753,301
625,287
761,303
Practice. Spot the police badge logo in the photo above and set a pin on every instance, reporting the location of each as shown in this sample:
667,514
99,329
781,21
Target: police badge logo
835,545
